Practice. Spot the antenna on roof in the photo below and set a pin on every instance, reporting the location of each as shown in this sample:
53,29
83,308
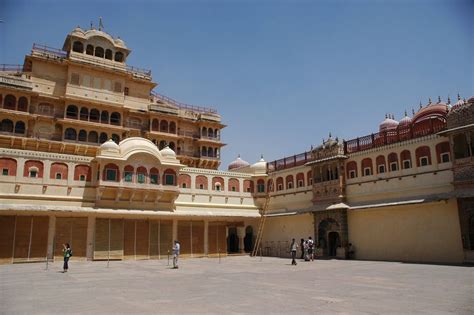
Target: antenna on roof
101,26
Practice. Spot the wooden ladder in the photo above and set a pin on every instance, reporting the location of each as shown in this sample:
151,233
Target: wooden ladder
261,225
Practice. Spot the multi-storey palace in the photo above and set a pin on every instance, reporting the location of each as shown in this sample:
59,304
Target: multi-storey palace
92,156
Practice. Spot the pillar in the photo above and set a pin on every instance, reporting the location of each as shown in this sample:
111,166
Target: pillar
175,229
51,232
90,237
206,237
241,235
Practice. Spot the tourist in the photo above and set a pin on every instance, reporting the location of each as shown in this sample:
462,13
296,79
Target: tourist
350,251
293,248
306,248
67,251
176,248
302,248
311,248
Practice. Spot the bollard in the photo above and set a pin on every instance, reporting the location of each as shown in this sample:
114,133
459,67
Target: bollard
168,257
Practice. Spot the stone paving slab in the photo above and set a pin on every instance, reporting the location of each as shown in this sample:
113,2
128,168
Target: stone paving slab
237,285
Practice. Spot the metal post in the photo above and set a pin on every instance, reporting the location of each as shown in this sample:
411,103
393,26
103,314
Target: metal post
168,257
261,253
219,254
46,261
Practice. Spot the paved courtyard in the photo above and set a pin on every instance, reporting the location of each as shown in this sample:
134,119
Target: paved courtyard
237,285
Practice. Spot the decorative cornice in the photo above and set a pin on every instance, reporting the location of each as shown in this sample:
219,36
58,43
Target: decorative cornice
192,170
44,155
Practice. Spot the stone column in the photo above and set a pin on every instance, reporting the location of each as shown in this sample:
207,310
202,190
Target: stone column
51,232
175,229
206,237
241,235
90,237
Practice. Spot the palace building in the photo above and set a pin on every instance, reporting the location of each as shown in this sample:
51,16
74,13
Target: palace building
92,156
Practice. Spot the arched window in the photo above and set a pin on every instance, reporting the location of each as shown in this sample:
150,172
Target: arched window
201,182
70,134
172,145
58,171
234,185
155,125
23,104
93,137
84,114
33,169
118,56
116,138
8,167
20,127
367,167
99,52
309,178
78,46
260,186
289,182
210,133
82,135
154,176
270,185
216,152
204,151
111,173
9,102
7,125
104,117
405,158
128,173
94,115
184,181
142,174
90,50
103,137
163,126
442,152
393,162
204,131
300,180
380,163
82,173
423,156
172,127
279,183
210,152
108,54
115,118
248,186
218,183
351,168
71,112
169,177
162,144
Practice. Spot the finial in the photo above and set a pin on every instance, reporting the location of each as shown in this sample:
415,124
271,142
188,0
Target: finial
439,99
464,100
421,106
92,25
449,100
329,135
386,115
261,156
101,26
459,97
429,100
413,111
406,113
238,156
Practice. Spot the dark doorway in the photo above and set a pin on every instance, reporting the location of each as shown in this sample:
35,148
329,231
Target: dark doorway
248,239
334,243
233,241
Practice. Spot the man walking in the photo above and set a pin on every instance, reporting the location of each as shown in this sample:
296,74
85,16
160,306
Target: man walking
293,248
311,248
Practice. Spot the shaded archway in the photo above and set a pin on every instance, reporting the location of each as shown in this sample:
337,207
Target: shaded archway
326,240
248,239
232,241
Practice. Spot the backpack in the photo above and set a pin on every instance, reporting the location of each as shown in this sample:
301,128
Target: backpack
70,252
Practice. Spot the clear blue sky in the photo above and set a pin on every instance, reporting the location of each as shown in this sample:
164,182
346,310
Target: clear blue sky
283,74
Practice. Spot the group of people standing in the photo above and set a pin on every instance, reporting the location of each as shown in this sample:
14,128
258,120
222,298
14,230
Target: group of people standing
307,250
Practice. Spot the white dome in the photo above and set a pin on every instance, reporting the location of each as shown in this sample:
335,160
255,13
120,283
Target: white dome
260,166
110,146
168,153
